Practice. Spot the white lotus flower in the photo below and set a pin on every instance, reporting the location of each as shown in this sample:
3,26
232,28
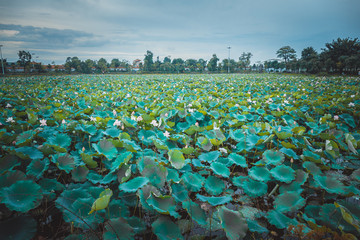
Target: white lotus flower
154,123
351,104
166,134
10,119
43,122
92,119
117,123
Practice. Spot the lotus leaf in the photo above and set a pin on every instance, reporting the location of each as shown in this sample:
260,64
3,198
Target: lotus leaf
31,152
172,175
356,175
25,137
37,167
214,185
195,211
64,161
61,140
179,192
105,148
289,152
238,160
330,184
19,227
273,157
255,188
220,169
121,159
134,184
210,156
144,194
214,201
233,223
312,168
102,202
163,204
283,173
279,220
289,202
260,174
156,174
193,181
166,229
176,158
239,181
254,226
22,196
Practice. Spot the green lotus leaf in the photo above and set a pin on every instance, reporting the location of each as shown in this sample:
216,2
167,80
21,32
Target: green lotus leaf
130,145
260,173
146,136
283,135
252,140
210,156
299,130
214,185
21,227
289,152
330,184
283,173
255,188
349,120
124,173
106,148
193,181
88,160
64,161
61,140
214,201
134,184
173,175
351,142
31,152
220,169
165,229
118,228
79,173
195,211
179,192
312,156
204,143
25,137
292,187
238,160
156,174
50,185
239,181
250,212
37,167
289,202
188,150
312,168
176,158
279,220
11,177
301,176
356,175
254,226
233,223
112,132
102,201
163,204
8,162
90,129
22,196
273,157
79,213
121,159
144,194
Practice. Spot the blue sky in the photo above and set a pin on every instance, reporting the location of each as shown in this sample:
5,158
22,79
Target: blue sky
125,29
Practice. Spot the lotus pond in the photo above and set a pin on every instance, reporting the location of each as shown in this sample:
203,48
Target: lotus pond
180,157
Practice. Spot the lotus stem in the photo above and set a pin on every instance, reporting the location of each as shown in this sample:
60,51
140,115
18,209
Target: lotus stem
274,190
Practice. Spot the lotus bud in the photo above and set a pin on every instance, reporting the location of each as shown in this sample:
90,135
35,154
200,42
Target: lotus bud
83,149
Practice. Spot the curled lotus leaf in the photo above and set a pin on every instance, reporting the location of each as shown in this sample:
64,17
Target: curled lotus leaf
238,160
283,173
163,204
214,201
61,140
210,156
330,184
279,220
195,211
233,223
106,148
25,137
37,167
64,161
220,169
176,158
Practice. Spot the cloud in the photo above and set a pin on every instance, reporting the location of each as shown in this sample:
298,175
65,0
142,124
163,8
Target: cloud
48,38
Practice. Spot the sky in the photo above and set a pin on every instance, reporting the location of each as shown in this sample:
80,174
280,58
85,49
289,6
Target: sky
53,30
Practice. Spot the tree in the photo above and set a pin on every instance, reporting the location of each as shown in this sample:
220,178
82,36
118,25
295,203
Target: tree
148,61
287,53
178,64
212,65
310,60
191,64
24,59
342,55
102,65
244,60
115,63
225,64
167,59
201,64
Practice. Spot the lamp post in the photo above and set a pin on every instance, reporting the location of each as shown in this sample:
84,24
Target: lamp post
229,60
2,62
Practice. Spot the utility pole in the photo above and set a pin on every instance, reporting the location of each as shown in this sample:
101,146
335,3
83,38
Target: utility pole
2,62
229,60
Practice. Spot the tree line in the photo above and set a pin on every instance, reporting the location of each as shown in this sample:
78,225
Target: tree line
340,56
